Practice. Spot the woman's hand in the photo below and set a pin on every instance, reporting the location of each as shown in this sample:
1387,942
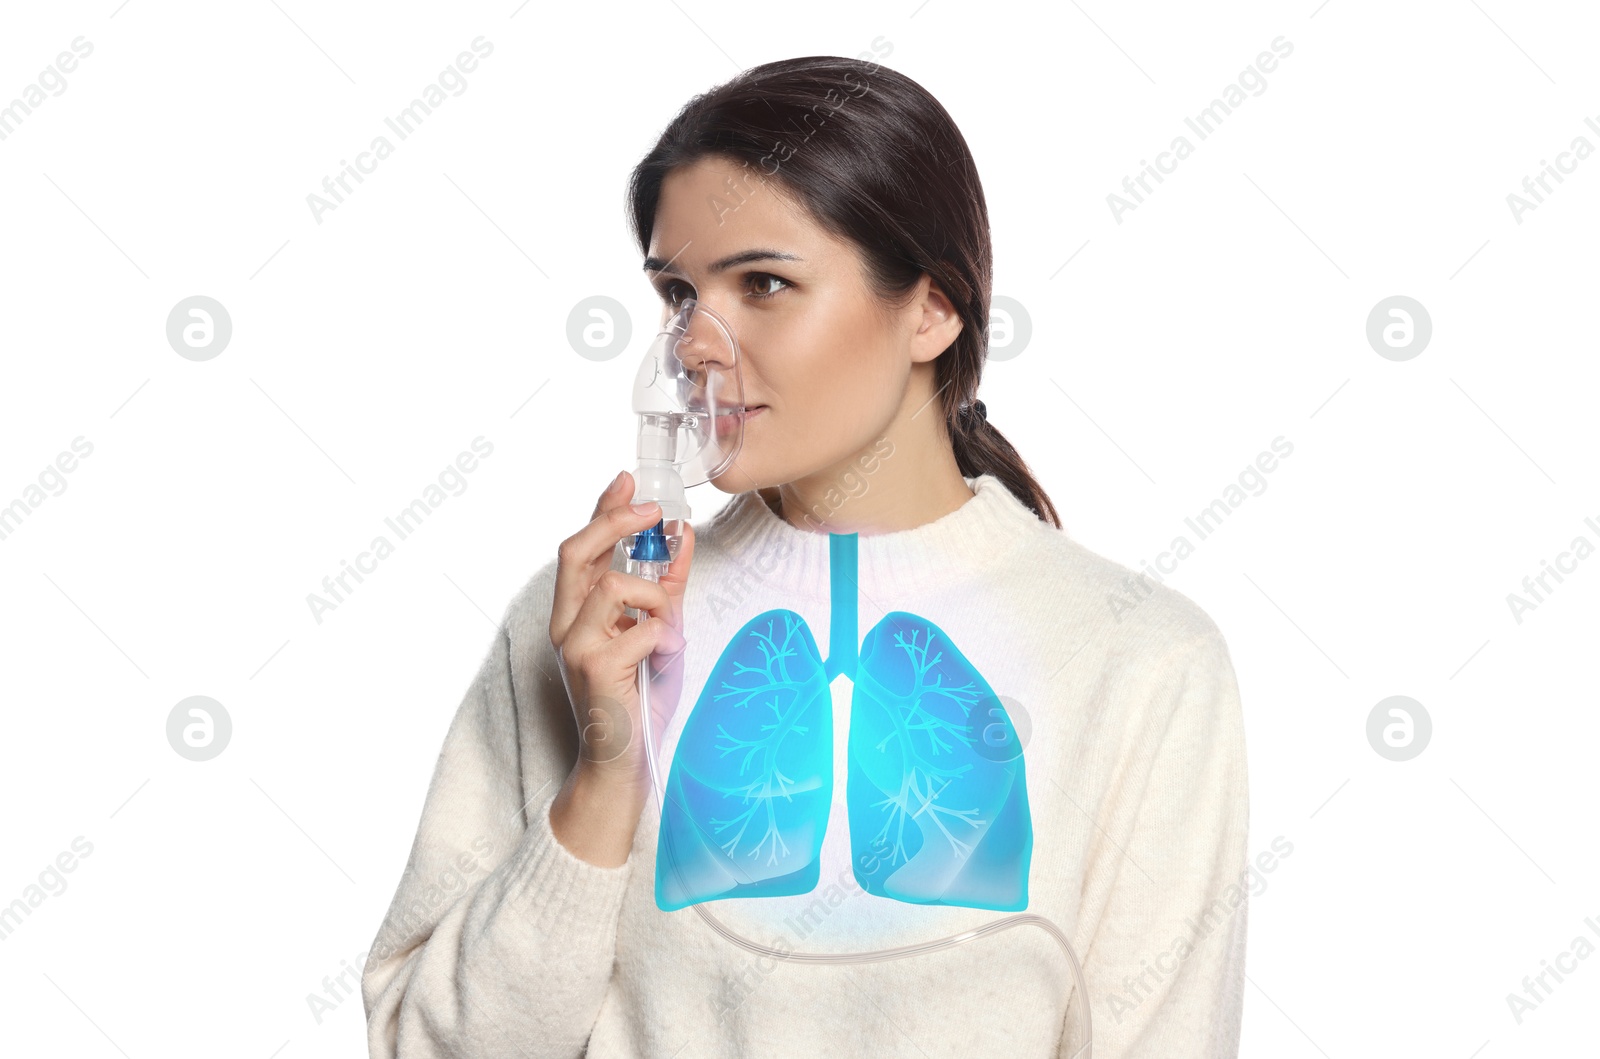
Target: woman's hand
599,648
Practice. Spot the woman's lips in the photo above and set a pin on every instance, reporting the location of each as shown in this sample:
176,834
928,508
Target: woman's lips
727,423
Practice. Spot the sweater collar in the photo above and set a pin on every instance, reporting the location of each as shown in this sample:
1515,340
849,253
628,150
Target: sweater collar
953,548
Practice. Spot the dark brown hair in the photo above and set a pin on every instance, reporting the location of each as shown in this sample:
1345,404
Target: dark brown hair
877,160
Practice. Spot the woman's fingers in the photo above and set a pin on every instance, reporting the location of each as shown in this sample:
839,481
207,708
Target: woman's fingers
676,577
612,680
600,618
586,555
623,654
620,489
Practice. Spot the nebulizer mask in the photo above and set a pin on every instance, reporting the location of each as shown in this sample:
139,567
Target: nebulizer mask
688,395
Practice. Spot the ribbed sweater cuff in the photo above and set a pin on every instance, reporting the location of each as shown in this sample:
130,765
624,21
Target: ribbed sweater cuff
568,900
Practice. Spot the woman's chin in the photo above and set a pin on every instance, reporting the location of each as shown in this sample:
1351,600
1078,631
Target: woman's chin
735,480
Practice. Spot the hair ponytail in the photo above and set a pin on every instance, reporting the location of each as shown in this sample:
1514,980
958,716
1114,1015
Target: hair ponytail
980,448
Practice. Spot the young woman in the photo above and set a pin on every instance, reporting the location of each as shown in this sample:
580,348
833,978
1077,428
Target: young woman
830,211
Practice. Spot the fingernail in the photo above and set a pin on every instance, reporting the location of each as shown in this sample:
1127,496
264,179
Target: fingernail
644,509
616,482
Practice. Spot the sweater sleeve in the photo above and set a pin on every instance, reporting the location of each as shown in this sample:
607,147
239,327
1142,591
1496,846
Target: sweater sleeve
498,941
1165,963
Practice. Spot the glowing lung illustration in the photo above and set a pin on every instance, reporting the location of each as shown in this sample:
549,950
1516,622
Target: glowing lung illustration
937,793
751,782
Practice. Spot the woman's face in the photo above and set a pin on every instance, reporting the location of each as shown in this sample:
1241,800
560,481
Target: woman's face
828,361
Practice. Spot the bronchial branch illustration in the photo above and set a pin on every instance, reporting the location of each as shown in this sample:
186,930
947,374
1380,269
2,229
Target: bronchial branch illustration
917,794
769,782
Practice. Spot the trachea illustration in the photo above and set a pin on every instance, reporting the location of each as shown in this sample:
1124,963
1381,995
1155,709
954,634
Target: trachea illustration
936,792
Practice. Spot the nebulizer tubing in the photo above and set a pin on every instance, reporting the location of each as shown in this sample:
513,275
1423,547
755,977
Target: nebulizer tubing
687,435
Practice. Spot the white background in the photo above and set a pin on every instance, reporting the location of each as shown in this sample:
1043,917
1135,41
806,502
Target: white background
431,307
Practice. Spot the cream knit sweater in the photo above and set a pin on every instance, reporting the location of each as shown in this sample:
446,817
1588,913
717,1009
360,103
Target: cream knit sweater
500,942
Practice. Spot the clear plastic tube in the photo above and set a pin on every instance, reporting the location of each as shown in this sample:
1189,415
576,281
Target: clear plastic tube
652,571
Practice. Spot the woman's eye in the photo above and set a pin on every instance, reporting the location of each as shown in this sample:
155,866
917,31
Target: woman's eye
757,279
760,285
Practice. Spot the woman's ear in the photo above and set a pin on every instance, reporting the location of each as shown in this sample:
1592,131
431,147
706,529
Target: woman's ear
938,322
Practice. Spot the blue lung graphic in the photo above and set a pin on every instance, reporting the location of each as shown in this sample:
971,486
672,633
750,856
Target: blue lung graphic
748,794
937,793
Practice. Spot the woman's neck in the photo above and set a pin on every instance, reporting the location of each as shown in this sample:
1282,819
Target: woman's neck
886,505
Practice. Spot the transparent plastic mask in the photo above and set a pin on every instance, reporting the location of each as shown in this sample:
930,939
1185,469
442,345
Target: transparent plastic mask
688,394
690,380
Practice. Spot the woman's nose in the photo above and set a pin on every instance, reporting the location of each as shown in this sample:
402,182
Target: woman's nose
703,346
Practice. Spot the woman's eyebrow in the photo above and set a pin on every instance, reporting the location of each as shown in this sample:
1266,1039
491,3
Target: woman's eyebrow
655,264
